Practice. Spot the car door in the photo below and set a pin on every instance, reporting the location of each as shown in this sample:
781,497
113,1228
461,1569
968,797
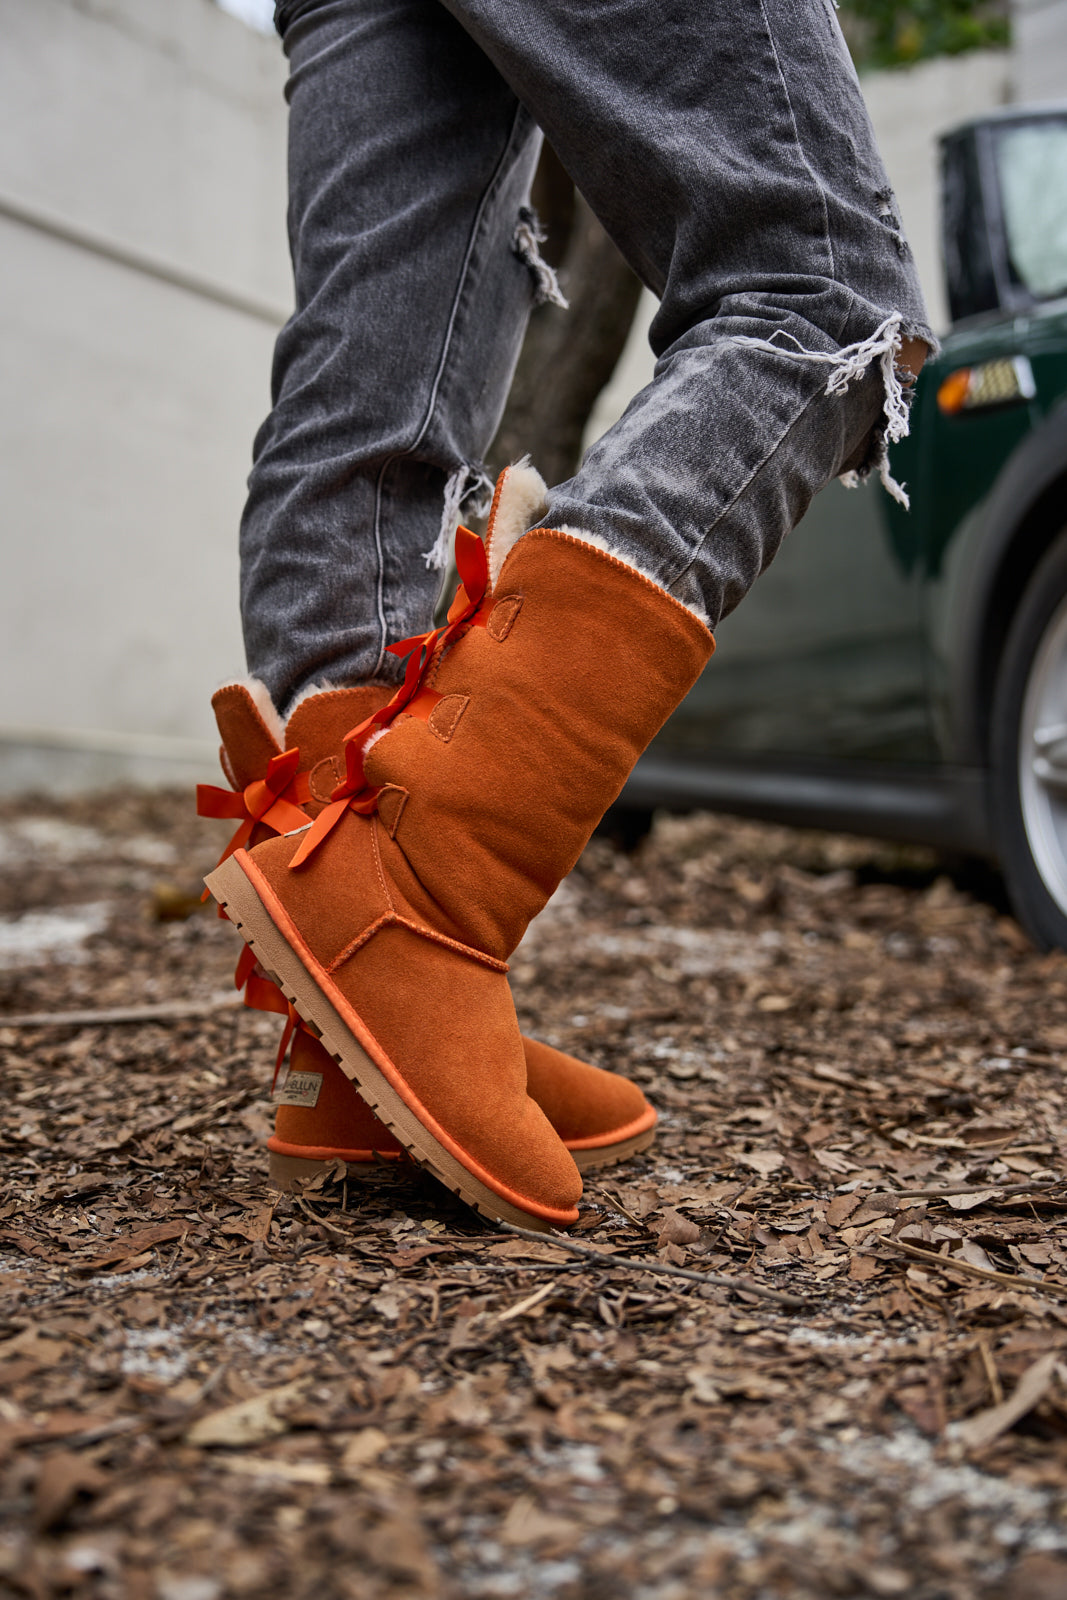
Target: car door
823,659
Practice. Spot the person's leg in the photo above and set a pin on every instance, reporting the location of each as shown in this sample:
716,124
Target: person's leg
409,164
728,151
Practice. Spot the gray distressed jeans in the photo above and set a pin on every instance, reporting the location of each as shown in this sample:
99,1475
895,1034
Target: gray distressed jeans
727,150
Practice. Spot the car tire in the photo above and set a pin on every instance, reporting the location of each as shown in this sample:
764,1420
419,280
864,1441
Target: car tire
1029,754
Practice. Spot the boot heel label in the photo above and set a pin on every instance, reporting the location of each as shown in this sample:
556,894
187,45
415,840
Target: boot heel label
301,1089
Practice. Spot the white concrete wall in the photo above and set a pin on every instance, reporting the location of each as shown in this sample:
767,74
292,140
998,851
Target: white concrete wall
1040,41
909,108
144,273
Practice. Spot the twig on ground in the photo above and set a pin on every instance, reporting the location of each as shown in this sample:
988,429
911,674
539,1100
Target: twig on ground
527,1304
966,1188
165,1011
992,1375
616,1204
1010,1280
661,1269
335,1233
506,1267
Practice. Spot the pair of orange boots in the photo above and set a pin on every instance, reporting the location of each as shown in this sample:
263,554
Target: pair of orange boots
321,1118
440,825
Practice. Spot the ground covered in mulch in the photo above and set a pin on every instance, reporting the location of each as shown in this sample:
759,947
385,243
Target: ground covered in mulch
207,1391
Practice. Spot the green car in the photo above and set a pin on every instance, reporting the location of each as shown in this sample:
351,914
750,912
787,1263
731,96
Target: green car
905,673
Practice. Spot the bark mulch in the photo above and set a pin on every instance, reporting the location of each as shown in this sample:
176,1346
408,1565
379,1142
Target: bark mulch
820,1348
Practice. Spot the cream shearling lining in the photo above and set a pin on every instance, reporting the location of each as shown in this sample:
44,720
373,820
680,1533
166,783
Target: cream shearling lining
309,691
277,724
523,499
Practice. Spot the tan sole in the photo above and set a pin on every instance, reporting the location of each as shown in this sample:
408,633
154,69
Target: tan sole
285,1171
611,1155
238,897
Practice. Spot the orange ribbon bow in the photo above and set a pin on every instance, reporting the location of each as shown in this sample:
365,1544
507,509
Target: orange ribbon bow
353,792
275,800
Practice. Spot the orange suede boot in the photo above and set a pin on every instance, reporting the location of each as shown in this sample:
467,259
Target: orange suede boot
467,799
321,1119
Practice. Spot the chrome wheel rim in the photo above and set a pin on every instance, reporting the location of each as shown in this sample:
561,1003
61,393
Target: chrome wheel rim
1043,757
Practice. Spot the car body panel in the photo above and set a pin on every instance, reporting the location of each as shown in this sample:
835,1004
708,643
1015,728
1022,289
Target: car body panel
852,688
824,658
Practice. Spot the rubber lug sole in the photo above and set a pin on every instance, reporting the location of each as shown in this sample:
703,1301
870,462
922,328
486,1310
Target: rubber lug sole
611,1155
238,898
284,1171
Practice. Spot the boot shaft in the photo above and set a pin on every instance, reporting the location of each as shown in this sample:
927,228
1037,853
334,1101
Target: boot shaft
253,733
488,802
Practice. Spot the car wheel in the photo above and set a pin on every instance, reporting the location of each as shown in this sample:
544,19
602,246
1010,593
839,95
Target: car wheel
1029,754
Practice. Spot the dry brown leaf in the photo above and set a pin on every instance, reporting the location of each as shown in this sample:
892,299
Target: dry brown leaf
1038,1576
526,1524
248,1421
703,1386
364,1448
676,1229
285,1471
762,1161
412,1255
842,1206
254,1225
63,1477
35,1345
978,1431
521,1250
970,1202
862,1268
133,1244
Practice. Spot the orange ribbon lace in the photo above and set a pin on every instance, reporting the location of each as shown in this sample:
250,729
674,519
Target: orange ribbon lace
353,792
275,800
293,1021
263,994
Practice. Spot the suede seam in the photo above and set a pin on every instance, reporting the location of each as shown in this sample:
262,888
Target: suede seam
392,919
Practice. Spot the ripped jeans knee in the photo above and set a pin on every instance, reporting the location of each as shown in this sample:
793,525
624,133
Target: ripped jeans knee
883,346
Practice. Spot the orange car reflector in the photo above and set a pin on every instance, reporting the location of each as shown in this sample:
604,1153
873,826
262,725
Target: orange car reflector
1001,382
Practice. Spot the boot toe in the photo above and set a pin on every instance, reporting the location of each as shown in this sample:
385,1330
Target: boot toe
583,1102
